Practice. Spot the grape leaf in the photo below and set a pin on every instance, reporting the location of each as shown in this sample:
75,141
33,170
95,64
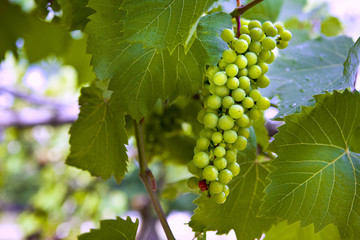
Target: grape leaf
307,69
317,177
118,229
140,76
240,209
351,64
291,8
355,142
265,11
293,231
75,13
98,136
262,135
162,24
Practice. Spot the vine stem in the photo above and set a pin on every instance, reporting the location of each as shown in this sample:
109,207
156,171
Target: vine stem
238,22
239,10
149,180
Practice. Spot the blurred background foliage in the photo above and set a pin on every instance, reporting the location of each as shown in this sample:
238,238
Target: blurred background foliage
43,65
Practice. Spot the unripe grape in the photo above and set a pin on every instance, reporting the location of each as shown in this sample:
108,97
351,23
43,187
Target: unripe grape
208,110
263,81
219,151
246,37
232,83
222,91
227,102
206,132
251,58
271,31
229,55
264,66
212,88
211,120
220,78
282,44
210,72
202,143
250,123
205,91
193,183
254,114
230,136
226,122
263,103
286,35
247,90
194,169
210,173
254,71
255,94
254,24
241,61
225,176
266,25
271,58
238,94
216,187
244,132
214,102
219,198
244,29
201,159
227,35
279,27
217,137
269,43
235,128
243,72
236,111
231,155
222,64
241,143
222,144
264,55
226,190
256,34
241,46
234,168
243,121
220,163
200,116
244,21
248,102
244,82
255,47
231,70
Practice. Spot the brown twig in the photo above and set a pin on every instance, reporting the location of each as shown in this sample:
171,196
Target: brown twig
240,10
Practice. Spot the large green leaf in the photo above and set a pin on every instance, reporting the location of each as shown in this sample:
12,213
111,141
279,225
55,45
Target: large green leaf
98,136
265,11
140,76
307,69
317,177
240,209
118,229
355,142
352,62
75,13
163,24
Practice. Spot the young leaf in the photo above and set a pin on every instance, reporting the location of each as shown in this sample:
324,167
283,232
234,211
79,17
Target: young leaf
118,229
240,209
317,178
75,13
307,69
98,136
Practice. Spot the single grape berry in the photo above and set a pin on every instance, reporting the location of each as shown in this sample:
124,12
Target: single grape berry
220,78
263,81
203,143
232,83
285,35
248,102
225,176
220,163
216,187
236,111
244,132
263,103
227,102
217,137
268,43
251,58
227,35
201,159
219,151
229,56
193,183
243,121
219,198
246,37
231,70
214,102
241,46
254,71
210,173
211,120
241,61
244,82
226,122
241,143
234,168
230,136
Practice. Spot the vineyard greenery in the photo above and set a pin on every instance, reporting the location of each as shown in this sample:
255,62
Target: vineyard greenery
178,94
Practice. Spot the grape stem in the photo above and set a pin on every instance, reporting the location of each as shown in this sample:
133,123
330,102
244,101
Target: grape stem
238,22
148,179
240,10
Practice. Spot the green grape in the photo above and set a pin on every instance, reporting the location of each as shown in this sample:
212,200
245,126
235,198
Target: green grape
250,123
282,44
208,110
269,43
255,47
216,187
241,61
243,72
231,70
266,25
244,132
234,168
256,34
197,149
246,37
210,173
229,146
210,72
271,31
232,83
254,24
241,143
241,46
231,155
194,169
264,55
263,103
286,35
211,120
279,27
244,21
230,136
247,91
271,59
222,64
202,143
264,67
229,55
226,190
201,159
255,94
243,121
248,102
212,88
244,82
222,91
238,94
254,72
217,137
219,198
214,102
227,35
200,116
251,58
220,78
236,111
220,163
206,132
244,29
263,81
227,102
193,183
226,122
205,91
225,176
219,151
222,144
254,114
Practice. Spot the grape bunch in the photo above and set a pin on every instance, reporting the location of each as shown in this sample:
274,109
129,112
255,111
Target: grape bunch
232,101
